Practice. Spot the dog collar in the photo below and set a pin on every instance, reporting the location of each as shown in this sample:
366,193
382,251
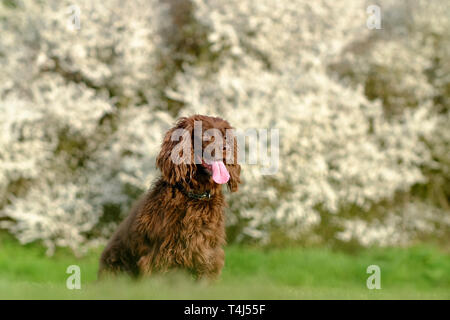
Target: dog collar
198,196
205,195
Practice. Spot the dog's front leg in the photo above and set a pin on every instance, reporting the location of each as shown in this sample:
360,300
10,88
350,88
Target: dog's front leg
211,267
145,265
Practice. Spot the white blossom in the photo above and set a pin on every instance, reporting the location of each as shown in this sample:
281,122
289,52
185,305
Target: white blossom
362,114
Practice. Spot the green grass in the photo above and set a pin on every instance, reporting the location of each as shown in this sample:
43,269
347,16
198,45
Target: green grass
250,273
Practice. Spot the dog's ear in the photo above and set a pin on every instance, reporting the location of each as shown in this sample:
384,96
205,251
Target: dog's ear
235,177
232,164
176,158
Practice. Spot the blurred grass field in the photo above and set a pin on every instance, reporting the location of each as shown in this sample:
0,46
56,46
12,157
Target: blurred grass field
421,272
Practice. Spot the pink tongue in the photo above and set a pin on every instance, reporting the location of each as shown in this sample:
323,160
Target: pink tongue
220,173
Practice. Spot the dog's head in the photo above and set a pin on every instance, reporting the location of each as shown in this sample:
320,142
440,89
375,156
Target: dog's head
200,151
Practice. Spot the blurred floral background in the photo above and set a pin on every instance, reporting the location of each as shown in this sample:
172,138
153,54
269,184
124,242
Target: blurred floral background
363,114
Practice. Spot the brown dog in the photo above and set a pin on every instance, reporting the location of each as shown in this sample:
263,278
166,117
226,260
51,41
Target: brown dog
179,223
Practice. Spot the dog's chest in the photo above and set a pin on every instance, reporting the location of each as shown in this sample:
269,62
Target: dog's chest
202,227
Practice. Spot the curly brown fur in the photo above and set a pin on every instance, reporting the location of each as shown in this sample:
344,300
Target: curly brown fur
168,229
